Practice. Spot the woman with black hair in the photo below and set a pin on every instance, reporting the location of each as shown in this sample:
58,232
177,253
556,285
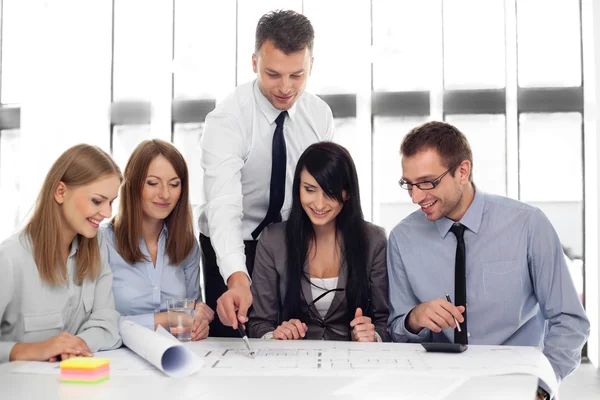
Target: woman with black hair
322,274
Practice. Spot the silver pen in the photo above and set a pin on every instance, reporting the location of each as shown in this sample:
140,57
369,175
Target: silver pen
449,301
246,340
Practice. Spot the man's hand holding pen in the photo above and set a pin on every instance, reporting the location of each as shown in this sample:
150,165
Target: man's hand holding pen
435,315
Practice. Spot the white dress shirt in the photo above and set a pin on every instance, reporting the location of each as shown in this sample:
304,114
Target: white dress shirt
236,158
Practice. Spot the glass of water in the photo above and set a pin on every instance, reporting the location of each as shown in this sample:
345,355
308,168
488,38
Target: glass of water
181,317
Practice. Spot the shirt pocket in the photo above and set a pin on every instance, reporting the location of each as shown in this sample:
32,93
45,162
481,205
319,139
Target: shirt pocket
501,281
42,326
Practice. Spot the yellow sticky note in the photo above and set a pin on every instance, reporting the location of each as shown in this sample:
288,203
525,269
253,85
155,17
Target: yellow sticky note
84,363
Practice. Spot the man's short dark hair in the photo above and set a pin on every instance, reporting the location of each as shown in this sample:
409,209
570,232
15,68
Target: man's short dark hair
450,143
288,30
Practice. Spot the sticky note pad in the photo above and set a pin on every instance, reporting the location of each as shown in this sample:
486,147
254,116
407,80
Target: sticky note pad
84,370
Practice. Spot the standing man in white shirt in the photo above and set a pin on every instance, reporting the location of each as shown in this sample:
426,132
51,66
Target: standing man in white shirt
250,146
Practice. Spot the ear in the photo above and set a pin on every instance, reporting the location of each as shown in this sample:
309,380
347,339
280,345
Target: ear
464,170
59,193
345,196
254,63
312,59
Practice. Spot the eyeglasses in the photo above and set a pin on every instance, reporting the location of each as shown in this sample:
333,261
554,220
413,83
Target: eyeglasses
317,319
425,185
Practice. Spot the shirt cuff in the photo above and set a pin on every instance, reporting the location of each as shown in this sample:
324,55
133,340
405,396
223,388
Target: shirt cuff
145,320
231,264
412,337
268,335
378,338
5,349
543,385
91,338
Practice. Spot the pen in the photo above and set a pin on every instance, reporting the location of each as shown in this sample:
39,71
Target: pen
450,301
246,341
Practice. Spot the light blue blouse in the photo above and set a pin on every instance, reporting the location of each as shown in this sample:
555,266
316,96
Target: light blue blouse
141,290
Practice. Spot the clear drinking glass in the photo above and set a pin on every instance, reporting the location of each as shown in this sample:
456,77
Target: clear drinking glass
181,317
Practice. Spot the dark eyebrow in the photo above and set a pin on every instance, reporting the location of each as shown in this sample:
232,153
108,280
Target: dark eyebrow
104,197
154,176
269,70
426,178
308,184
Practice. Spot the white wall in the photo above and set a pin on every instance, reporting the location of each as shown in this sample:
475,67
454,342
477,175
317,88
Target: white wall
591,53
67,85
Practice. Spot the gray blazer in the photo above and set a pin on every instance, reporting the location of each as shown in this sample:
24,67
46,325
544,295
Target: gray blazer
269,288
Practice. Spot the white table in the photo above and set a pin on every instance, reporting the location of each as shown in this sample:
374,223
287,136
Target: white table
240,384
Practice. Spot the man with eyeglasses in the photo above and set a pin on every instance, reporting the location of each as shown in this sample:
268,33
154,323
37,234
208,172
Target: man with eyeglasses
500,260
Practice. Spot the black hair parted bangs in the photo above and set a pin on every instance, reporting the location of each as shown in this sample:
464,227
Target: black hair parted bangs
330,172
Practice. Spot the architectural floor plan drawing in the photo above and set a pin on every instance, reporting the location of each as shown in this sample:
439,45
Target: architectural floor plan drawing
318,359
397,361
229,357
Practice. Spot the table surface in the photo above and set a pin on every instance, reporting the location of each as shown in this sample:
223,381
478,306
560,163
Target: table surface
377,384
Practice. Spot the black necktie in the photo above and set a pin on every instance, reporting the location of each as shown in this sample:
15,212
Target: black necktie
460,281
278,167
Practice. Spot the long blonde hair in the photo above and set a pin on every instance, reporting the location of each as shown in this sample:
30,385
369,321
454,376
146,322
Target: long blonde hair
78,166
127,223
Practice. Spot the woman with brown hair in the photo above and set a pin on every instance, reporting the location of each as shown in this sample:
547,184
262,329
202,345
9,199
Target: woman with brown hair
55,292
152,250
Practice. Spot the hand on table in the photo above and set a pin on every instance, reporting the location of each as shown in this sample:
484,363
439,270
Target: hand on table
63,345
363,329
290,330
203,316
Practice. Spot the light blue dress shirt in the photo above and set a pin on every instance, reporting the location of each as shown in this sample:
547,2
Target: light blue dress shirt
518,284
141,290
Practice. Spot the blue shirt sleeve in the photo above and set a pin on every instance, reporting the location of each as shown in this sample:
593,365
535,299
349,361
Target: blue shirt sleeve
402,297
568,326
191,270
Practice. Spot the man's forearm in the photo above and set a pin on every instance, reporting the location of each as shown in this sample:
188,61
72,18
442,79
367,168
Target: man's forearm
238,279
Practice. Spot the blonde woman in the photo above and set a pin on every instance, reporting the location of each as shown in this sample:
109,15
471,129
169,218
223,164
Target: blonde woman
56,289
152,250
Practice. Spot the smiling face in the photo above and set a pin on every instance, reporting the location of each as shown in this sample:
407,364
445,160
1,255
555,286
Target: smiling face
281,77
321,210
445,200
161,190
83,208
